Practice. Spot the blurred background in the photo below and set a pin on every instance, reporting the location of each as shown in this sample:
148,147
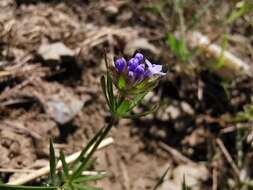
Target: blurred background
51,61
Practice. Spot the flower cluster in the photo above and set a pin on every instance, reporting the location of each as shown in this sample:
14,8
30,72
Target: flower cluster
136,70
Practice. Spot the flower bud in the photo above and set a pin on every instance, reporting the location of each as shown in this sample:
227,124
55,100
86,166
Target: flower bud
120,64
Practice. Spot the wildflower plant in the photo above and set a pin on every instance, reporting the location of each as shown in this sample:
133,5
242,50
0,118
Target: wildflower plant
133,79
124,86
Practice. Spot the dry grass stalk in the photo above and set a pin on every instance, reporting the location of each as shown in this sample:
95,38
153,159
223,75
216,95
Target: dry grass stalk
45,170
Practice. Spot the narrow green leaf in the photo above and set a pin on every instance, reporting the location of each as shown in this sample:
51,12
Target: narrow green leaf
246,7
87,147
221,61
123,108
52,160
178,47
137,99
82,167
172,42
161,179
89,178
184,187
109,86
64,164
103,84
151,110
16,187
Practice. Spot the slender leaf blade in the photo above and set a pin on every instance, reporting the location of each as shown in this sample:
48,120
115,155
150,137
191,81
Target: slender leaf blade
123,108
103,85
16,187
109,86
52,161
88,146
64,164
89,178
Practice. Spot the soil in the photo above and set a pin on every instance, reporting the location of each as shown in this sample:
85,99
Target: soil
61,97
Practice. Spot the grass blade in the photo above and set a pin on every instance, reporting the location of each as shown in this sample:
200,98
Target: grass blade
184,187
89,178
109,86
161,179
64,164
88,146
15,187
103,84
52,161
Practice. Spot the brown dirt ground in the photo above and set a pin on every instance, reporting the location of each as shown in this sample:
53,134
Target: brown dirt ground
143,147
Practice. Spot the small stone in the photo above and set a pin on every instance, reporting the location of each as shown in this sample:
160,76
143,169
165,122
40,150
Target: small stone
187,108
54,51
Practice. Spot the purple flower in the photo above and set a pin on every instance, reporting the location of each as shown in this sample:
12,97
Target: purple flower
135,71
132,64
139,56
120,64
153,69
139,70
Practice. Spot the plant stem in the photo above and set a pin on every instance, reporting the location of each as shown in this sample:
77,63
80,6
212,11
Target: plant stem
103,135
94,148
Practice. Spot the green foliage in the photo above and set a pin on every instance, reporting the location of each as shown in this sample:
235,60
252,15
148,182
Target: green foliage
161,179
64,164
221,62
64,180
245,7
178,47
76,181
245,115
184,186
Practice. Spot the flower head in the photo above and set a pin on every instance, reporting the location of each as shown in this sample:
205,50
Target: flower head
135,73
120,64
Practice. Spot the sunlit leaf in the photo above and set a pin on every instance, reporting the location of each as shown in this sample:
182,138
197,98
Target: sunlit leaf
123,108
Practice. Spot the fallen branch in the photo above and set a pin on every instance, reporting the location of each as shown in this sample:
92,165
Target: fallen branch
45,170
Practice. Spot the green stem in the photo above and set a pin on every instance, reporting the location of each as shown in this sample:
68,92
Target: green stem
103,135
94,148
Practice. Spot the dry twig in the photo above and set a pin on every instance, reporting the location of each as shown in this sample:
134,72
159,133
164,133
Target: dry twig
228,157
